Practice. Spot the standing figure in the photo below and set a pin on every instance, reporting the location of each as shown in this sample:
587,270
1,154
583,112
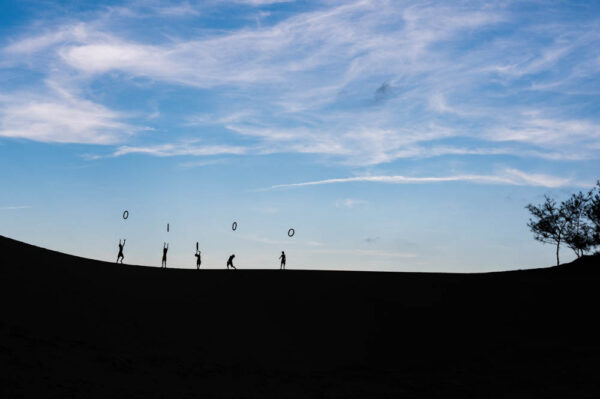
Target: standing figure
198,260
120,255
282,257
164,259
230,262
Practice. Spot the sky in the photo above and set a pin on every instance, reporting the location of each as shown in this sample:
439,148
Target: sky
391,135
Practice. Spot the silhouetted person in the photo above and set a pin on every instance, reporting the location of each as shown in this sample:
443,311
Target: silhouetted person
120,255
230,262
198,260
282,257
164,259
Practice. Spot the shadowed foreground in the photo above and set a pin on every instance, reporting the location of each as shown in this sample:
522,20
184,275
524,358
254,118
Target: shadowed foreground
73,327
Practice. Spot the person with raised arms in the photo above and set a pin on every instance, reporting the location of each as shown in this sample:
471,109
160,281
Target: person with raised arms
164,258
198,260
120,255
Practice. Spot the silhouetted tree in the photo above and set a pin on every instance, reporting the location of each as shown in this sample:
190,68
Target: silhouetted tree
578,233
593,213
548,223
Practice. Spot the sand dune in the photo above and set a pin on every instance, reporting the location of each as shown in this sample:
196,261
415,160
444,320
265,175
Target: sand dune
73,327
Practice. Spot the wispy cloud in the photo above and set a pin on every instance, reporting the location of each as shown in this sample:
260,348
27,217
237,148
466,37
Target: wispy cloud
349,203
77,32
167,150
262,2
549,132
202,162
61,117
14,208
295,45
307,83
510,176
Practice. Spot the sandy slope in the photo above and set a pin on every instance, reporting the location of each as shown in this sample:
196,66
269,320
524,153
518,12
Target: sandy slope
73,327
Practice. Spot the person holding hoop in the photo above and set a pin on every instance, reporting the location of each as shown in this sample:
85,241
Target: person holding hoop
198,260
120,255
164,258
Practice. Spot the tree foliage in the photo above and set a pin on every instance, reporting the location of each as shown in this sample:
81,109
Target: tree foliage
547,223
575,222
578,230
593,214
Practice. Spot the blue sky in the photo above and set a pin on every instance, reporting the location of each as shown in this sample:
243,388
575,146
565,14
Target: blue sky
390,135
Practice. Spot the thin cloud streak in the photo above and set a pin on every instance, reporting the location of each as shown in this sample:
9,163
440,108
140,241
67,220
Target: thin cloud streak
258,3
168,150
202,163
511,177
14,208
349,203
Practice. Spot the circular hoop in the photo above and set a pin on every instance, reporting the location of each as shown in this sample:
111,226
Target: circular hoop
291,232
167,227
125,215
234,226
196,245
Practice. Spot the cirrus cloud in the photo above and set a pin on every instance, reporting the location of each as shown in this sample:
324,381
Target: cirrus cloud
510,176
311,81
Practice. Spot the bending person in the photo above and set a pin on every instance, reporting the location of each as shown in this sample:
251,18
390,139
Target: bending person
164,258
120,255
230,262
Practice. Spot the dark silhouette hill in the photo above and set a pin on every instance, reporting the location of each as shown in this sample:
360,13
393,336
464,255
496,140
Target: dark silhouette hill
78,328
